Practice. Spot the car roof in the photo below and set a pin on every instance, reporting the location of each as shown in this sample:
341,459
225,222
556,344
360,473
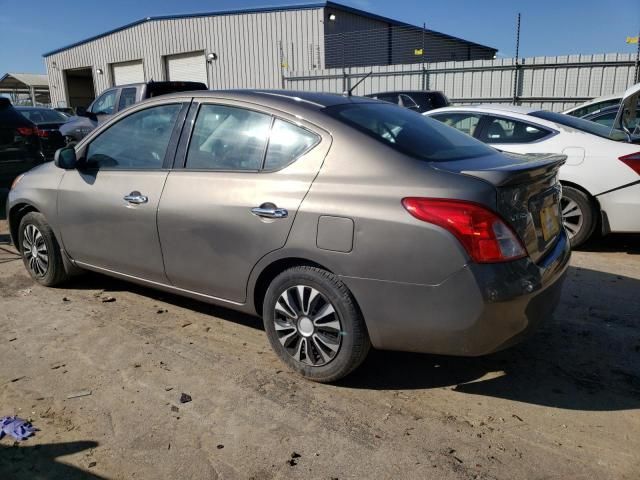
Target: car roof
32,108
279,98
402,91
489,107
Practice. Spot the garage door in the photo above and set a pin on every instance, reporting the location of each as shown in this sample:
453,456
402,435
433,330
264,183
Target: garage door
127,72
187,67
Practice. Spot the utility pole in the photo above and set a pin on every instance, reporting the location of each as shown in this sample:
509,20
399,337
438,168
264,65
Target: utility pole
517,65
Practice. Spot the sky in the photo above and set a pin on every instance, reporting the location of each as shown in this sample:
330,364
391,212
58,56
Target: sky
549,27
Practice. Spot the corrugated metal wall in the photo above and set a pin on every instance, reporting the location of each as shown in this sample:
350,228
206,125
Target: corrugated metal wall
554,83
247,45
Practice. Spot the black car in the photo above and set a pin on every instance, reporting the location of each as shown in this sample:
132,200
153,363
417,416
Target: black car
48,122
112,100
418,100
20,147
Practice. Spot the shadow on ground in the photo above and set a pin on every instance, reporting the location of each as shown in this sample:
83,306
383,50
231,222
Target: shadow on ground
587,357
33,462
618,242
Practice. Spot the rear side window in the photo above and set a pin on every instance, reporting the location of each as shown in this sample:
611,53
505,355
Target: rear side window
502,130
463,122
409,132
286,143
139,141
127,97
228,138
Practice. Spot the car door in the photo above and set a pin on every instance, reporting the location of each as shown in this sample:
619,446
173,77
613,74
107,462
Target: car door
234,197
107,207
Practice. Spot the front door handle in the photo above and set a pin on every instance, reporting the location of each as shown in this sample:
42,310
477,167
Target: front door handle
136,198
270,211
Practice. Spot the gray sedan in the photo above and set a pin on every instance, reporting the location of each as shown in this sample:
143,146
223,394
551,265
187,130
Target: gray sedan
344,222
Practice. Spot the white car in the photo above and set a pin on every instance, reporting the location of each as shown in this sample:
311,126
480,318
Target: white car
601,177
594,105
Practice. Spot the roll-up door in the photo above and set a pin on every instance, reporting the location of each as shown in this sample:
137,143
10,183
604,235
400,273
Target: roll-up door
187,67
127,72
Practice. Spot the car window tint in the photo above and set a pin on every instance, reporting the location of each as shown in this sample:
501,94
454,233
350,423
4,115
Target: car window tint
228,138
409,102
138,141
464,122
105,104
388,97
502,130
286,143
44,115
127,97
409,132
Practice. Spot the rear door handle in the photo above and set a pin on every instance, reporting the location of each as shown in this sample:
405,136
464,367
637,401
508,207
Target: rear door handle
136,198
270,212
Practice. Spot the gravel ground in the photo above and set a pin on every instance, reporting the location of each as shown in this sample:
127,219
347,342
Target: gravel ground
564,404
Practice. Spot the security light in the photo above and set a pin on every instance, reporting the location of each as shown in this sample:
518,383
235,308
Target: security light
332,17
99,71
211,57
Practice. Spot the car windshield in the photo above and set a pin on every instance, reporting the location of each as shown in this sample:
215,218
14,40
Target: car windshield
582,125
409,132
44,115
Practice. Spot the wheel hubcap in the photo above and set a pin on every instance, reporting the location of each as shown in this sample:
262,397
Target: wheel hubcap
572,216
34,249
308,325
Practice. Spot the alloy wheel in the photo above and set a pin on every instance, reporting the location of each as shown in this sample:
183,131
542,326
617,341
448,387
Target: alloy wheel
572,216
308,325
34,250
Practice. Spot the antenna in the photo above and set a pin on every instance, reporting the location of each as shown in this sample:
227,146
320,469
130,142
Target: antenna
349,92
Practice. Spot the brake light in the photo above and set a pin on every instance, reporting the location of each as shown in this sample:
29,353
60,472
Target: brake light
41,133
483,234
26,131
632,161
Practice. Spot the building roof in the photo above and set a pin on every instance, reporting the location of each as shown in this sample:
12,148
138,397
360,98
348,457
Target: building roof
22,80
303,6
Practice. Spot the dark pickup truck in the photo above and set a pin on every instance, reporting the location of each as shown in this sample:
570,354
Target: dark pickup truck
112,100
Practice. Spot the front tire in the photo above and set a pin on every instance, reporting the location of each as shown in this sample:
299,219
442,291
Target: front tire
40,250
314,325
578,215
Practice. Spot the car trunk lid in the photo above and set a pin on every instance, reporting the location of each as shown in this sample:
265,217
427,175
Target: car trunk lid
528,193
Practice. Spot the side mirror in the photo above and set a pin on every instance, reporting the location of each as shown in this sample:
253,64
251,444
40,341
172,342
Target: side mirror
65,158
81,111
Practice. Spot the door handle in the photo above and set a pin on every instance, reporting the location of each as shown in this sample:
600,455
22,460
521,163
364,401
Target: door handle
270,212
136,198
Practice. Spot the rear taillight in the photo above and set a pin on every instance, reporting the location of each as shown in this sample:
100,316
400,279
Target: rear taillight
632,161
41,133
26,131
484,235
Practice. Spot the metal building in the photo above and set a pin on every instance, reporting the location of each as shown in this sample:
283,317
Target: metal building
251,48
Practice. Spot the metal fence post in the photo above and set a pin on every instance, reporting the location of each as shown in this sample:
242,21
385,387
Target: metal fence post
637,75
517,64
282,76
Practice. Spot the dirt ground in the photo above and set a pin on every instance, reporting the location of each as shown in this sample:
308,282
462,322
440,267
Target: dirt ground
563,405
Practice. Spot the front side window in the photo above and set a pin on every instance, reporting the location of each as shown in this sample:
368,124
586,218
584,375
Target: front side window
463,122
286,143
408,102
138,141
502,130
127,98
105,104
228,138
409,132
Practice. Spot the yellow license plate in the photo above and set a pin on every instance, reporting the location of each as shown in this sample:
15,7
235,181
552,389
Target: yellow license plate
549,220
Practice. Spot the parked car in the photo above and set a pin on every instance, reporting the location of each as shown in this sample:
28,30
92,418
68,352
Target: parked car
601,178
115,99
417,100
595,105
342,221
20,148
48,123
607,117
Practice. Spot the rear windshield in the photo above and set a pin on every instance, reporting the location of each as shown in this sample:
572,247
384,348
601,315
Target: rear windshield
582,125
44,115
409,132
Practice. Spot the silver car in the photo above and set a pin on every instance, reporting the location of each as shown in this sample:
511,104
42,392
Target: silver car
344,222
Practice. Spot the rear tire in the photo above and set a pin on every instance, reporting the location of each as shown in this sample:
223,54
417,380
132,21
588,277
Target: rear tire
314,324
40,250
578,215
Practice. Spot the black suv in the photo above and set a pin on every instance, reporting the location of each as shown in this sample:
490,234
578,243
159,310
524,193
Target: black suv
418,100
112,100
